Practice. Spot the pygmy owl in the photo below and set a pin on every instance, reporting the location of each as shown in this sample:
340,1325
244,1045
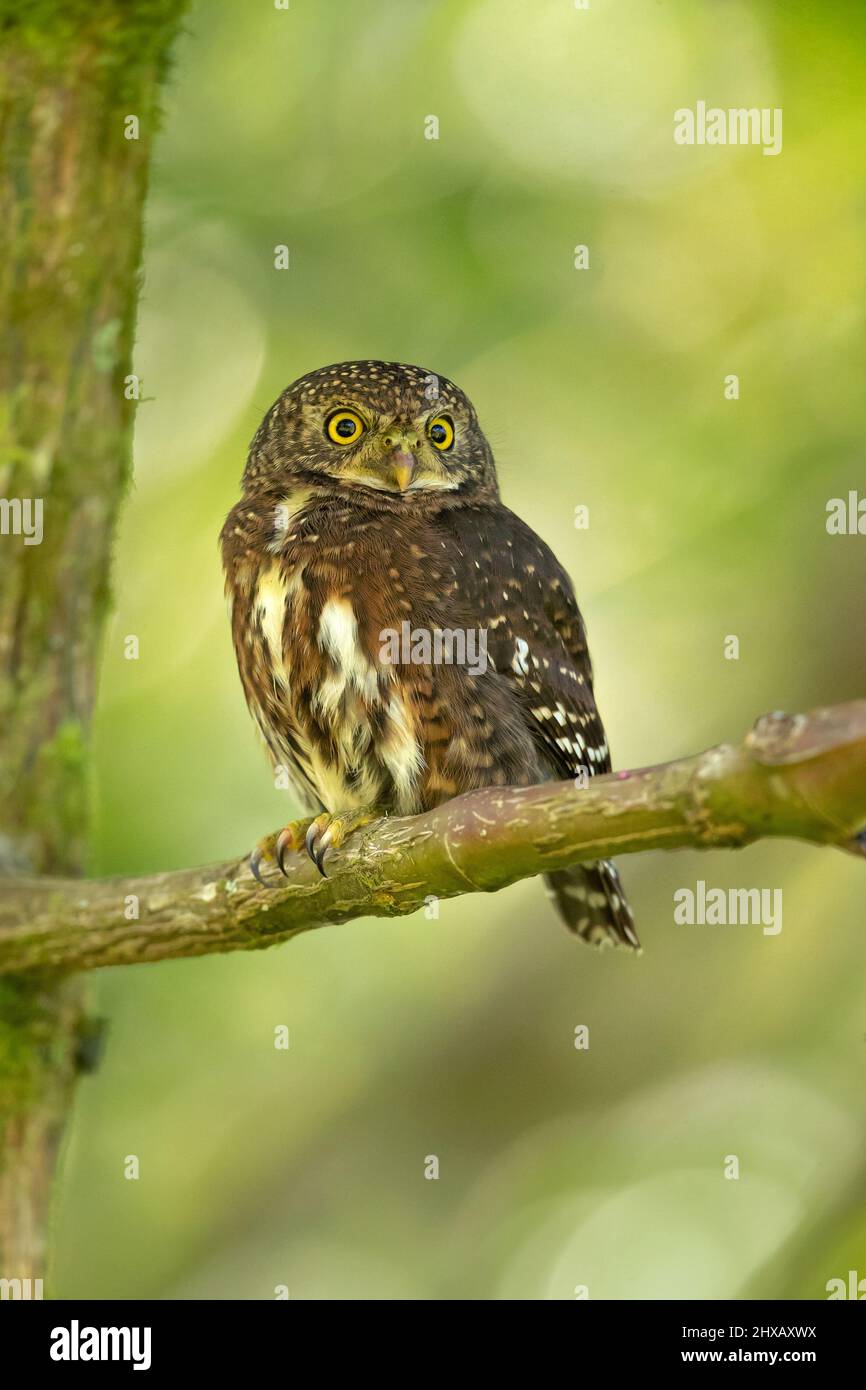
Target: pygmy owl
402,637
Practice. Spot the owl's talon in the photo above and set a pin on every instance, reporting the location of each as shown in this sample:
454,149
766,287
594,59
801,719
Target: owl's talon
285,841
275,847
330,832
258,855
315,848
291,838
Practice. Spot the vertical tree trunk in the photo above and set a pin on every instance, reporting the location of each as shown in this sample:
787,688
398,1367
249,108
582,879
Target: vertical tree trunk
71,205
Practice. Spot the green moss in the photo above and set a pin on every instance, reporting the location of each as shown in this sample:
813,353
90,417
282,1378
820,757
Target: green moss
27,1024
127,37
58,811
105,346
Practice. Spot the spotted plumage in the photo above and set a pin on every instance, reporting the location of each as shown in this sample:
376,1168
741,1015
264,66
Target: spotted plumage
370,521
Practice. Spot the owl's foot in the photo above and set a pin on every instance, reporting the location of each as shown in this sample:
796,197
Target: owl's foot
330,832
273,848
316,836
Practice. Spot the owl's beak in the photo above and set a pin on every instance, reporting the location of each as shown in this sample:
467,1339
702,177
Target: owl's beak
400,468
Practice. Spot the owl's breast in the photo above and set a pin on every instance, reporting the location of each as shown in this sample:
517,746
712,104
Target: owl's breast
328,708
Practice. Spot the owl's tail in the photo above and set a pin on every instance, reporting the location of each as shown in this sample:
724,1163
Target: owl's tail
592,903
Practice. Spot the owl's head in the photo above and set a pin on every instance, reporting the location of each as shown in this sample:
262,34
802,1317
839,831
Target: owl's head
397,432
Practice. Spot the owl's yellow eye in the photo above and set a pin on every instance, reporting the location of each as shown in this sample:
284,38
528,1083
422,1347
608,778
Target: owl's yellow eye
441,431
344,427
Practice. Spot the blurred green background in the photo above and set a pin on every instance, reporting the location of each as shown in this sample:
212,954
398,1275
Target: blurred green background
602,387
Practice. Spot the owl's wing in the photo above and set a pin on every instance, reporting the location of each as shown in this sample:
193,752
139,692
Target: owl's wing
537,640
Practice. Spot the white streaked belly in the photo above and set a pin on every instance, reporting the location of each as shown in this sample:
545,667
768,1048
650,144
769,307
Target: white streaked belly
367,767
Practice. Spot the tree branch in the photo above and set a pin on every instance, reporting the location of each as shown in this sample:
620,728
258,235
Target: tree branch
801,776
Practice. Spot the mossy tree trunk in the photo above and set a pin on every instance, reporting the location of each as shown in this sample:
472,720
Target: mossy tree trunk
71,210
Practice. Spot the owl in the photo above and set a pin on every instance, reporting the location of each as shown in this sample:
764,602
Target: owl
402,637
